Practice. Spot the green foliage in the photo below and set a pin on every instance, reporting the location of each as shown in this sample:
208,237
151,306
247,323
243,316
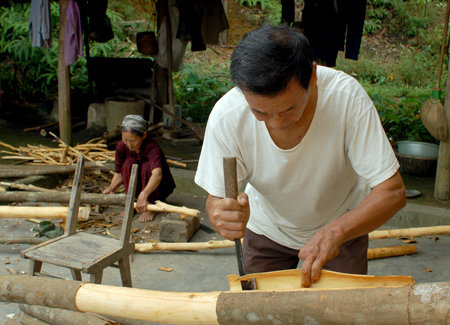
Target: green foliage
197,93
31,73
28,71
401,118
253,3
268,10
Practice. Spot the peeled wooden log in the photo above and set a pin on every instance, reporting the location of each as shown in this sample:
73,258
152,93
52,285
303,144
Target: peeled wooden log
183,246
93,199
62,316
25,187
25,171
372,253
390,251
410,232
164,207
47,213
407,304
63,197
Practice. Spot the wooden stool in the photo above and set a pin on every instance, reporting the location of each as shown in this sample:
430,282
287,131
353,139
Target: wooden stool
87,253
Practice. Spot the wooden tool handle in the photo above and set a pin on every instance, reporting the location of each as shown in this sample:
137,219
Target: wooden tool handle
230,177
231,191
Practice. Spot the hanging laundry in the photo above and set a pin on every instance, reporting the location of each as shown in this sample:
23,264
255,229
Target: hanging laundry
73,43
40,24
178,47
201,22
100,28
332,26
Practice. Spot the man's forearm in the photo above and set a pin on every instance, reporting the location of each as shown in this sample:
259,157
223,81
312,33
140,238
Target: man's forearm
383,202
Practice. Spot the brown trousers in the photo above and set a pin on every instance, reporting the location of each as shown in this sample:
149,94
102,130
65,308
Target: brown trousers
264,255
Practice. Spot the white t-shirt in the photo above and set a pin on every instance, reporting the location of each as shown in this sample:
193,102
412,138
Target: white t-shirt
294,193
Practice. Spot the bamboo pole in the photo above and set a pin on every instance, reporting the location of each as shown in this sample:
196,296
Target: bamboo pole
419,303
410,232
46,213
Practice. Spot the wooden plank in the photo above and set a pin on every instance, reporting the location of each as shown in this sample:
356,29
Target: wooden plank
89,250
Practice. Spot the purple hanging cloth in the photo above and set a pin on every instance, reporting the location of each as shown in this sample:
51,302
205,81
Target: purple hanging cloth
73,45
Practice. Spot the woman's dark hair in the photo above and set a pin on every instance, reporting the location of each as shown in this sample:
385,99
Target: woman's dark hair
269,58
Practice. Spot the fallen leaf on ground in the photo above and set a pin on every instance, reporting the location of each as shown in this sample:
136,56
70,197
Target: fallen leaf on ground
428,270
167,269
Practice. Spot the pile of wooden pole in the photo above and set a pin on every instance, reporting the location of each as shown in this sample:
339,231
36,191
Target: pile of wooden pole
93,150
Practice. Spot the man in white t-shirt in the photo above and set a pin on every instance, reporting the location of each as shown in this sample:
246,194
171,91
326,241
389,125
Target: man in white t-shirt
320,171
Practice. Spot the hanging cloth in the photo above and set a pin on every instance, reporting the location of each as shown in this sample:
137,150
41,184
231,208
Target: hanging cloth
178,46
40,24
332,26
201,22
73,44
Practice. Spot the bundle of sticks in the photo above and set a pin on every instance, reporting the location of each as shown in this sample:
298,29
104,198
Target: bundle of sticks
93,150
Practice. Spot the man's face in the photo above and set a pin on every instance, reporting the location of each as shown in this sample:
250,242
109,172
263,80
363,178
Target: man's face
284,110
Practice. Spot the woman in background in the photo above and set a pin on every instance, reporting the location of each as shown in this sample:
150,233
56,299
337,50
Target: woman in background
155,181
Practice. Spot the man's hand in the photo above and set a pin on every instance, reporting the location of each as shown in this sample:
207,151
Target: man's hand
229,217
323,247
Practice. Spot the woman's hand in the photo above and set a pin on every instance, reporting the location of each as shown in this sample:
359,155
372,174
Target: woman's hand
141,203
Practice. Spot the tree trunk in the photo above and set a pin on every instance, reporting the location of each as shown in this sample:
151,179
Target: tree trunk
408,304
23,240
63,197
25,171
62,316
442,185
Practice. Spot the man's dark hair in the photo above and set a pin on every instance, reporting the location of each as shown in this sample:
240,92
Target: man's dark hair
269,58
